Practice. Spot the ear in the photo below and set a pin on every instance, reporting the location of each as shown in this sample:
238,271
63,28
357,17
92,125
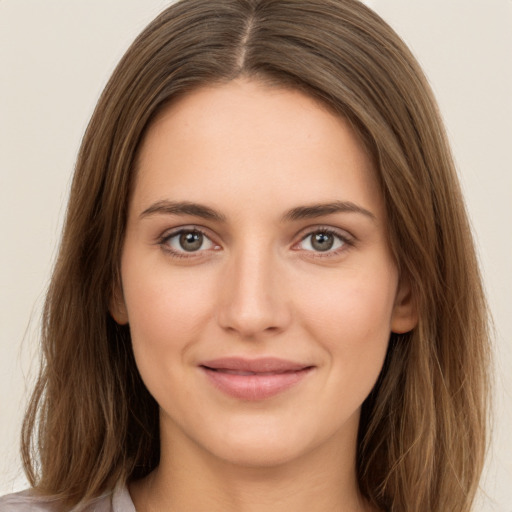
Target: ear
405,311
117,305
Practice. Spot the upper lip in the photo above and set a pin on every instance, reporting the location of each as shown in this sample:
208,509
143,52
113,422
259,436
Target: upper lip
260,365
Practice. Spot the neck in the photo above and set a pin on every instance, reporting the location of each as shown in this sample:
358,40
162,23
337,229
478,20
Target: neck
324,479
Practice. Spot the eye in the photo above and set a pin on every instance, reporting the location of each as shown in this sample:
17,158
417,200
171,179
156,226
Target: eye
323,241
186,241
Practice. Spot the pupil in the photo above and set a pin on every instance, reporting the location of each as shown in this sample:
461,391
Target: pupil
191,241
322,241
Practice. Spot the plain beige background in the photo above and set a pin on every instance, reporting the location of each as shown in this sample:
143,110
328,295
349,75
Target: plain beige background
55,57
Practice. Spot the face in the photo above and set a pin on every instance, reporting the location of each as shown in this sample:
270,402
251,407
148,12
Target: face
256,275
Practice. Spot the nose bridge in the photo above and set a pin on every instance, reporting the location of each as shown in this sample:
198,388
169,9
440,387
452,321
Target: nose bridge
252,299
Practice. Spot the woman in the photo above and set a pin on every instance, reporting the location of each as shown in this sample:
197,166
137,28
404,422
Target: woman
266,295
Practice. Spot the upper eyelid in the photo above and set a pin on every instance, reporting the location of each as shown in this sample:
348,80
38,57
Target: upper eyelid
342,233
303,232
168,233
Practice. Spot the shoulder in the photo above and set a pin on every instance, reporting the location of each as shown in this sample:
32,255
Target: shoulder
26,501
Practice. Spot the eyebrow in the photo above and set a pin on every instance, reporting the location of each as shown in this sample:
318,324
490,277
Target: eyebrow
298,213
319,210
183,208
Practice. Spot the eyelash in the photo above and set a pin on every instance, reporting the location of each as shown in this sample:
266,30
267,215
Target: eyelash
164,242
347,242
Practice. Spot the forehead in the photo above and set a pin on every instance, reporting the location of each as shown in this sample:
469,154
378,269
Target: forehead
247,136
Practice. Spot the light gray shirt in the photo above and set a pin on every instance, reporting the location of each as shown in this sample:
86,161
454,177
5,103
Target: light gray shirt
118,500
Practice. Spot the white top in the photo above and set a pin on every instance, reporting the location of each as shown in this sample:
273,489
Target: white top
118,500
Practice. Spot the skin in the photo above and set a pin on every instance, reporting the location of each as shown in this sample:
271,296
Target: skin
257,287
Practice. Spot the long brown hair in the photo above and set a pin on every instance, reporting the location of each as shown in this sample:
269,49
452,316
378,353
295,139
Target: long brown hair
91,422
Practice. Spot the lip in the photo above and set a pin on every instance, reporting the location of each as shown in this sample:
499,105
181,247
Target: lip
254,379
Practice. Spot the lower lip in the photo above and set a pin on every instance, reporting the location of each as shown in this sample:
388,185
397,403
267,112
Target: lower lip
255,387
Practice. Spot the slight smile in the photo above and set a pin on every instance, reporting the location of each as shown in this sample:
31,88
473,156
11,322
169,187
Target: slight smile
254,379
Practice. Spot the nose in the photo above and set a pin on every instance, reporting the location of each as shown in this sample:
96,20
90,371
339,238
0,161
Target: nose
252,295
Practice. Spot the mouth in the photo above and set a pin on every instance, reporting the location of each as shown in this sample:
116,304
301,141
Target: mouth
256,379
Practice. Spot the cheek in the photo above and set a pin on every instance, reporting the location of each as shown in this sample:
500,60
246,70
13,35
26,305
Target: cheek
166,313
352,304
166,309
351,318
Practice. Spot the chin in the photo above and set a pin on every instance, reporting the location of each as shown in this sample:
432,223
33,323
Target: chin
263,455
269,443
